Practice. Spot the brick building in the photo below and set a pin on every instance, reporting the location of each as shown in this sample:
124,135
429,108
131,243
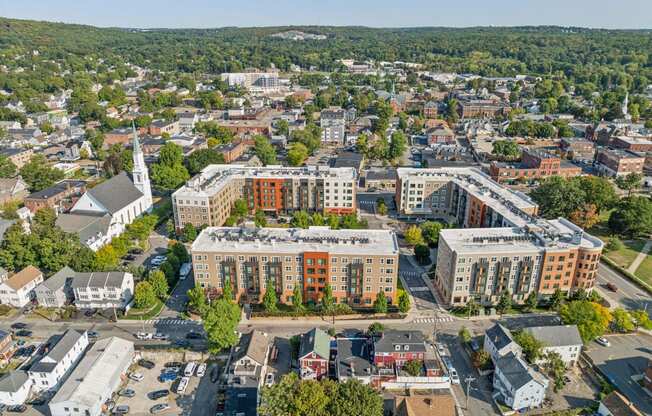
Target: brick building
60,196
535,164
619,162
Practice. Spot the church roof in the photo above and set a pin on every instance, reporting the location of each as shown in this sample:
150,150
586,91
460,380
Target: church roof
116,193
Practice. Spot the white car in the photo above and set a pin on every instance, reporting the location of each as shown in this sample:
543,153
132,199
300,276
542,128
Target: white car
143,335
189,369
161,337
201,370
603,341
269,379
136,376
455,379
183,383
157,261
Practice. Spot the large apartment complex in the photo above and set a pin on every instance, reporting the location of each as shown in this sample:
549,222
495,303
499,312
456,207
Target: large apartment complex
357,264
207,198
503,245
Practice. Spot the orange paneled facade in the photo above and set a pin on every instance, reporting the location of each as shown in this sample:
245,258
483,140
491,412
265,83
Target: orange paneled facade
315,274
476,213
268,194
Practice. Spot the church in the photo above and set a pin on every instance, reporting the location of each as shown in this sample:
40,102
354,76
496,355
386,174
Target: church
104,211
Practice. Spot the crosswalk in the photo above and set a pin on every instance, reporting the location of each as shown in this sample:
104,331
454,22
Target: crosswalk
366,202
168,321
410,274
432,320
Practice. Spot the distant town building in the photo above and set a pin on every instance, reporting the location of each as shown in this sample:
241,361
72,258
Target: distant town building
619,162
536,164
332,122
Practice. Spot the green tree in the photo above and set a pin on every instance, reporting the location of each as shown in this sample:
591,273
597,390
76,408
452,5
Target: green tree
504,302
598,191
189,232
403,301
297,154
270,301
464,334
592,320
327,301
622,321
144,295
397,145
380,304
259,218
531,301
180,252
38,175
220,322
264,150
375,328
413,367
558,197
532,347
106,258
355,398
506,148
300,219
629,182
641,319
632,216
239,208
159,284
413,235
557,299
169,172
480,359
556,368
199,159
7,167
430,231
297,298
422,253
381,206
197,300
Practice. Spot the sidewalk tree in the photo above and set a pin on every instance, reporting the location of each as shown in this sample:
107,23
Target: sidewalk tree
270,302
220,322
413,235
381,206
181,252
197,299
504,303
422,253
592,319
159,284
380,304
480,359
531,301
327,301
430,231
375,328
297,298
144,295
464,335
260,219
300,219
472,307
403,301
189,232
557,299
629,182
641,319
622,321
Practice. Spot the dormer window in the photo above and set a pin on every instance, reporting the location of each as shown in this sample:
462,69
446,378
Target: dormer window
406,348
397,348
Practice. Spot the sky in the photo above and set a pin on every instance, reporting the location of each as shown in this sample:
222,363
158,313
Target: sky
612,14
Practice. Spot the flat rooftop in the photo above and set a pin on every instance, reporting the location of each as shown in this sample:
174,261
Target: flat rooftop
214,177
292,240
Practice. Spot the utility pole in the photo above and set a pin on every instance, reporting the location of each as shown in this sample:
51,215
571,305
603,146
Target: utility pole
468,381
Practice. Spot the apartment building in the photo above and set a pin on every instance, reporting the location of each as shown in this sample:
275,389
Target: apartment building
357,264
619,162
18,290
62,353
207,198
536,164
482,108
332,122
103,290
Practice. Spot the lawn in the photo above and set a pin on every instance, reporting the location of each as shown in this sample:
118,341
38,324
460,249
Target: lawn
625,256
644,271
149,313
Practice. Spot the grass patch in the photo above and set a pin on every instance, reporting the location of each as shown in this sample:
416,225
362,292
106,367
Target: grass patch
644,271
625,256
149,313
5,310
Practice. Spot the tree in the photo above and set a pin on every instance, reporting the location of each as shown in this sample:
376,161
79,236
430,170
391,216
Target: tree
159,284
556,368
38,175
189,232
641,319
430,231
201,158
598,191
106,258
180,252
413,367
327,301
480,359
297,298
629,182
397,145
422,253
270,300
464,334
300,219
403,301
355,398
375,328
632,216
380,304
614,244
592,320
239,208
472,307
531,301
381,206
264,150
144,295
197,300
506,148
622,321
585,217
413,235
558,197
169,172
532,347
297,154
504,303
7,167
259,218
557,299
220,321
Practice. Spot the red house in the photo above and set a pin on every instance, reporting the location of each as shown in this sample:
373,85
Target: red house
314,352
398,347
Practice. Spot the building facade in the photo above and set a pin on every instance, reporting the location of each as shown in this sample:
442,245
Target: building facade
332,123
103,290
62,355
619,162
18,290
357,264
535,164
207,198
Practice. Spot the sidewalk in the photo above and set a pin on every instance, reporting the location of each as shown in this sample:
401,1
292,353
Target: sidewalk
640,257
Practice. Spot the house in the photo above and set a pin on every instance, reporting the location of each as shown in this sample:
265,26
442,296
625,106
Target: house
615,404
536,164
97,376
12,189
15,387
7,347
498,342
516,384
60,197
248,365
56,291
231,151
18,290
251,353
18,157
440,135
395,348
63,353
438,403
92,230
160,127
314,354
187,121
353,360
618,162
103,290
564,340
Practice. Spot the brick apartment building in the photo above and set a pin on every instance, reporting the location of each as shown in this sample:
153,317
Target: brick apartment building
357,264
207,198
231,151
482,108
158,127
60,196
535,164
619,162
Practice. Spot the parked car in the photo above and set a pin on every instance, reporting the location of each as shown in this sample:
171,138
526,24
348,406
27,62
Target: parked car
455,379
215,374
167,376
183,384
158,394
24,333
194,335
146,364
18,325
143,335
110,404
127,393
130,257
160,337
123,409
159,408
603,341
19,408
201,370
189,370
92,334
39,401
611,287
182,343
157,261
269,379
173,364
136,376
136,250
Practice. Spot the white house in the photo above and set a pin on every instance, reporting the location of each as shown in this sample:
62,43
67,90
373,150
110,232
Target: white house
18,290
516,384
56,291
564,340
104,211
103,290
15,387
498,342
64,352
95,379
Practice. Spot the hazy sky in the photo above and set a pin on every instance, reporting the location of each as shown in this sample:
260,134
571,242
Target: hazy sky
377,13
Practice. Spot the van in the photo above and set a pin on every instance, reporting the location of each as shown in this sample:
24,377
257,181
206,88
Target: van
184,271
183,383
189,370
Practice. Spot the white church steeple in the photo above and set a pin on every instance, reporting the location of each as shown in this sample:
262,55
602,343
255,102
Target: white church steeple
140,174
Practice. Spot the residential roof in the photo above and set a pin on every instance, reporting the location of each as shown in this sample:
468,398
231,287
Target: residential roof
618,405
499,336
13,381
98,279
256,346
353,357
58,280
116,193
85,224
381,174
316,341
556,336
516,371
23,277
391,338
62,344
56,189
441,404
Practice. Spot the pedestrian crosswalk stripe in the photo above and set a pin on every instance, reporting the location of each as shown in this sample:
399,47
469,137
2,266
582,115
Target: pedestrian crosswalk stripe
166,321
432,320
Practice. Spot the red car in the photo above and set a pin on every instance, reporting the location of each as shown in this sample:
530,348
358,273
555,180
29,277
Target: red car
612,287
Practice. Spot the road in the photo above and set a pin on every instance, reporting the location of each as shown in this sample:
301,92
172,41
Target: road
628,296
